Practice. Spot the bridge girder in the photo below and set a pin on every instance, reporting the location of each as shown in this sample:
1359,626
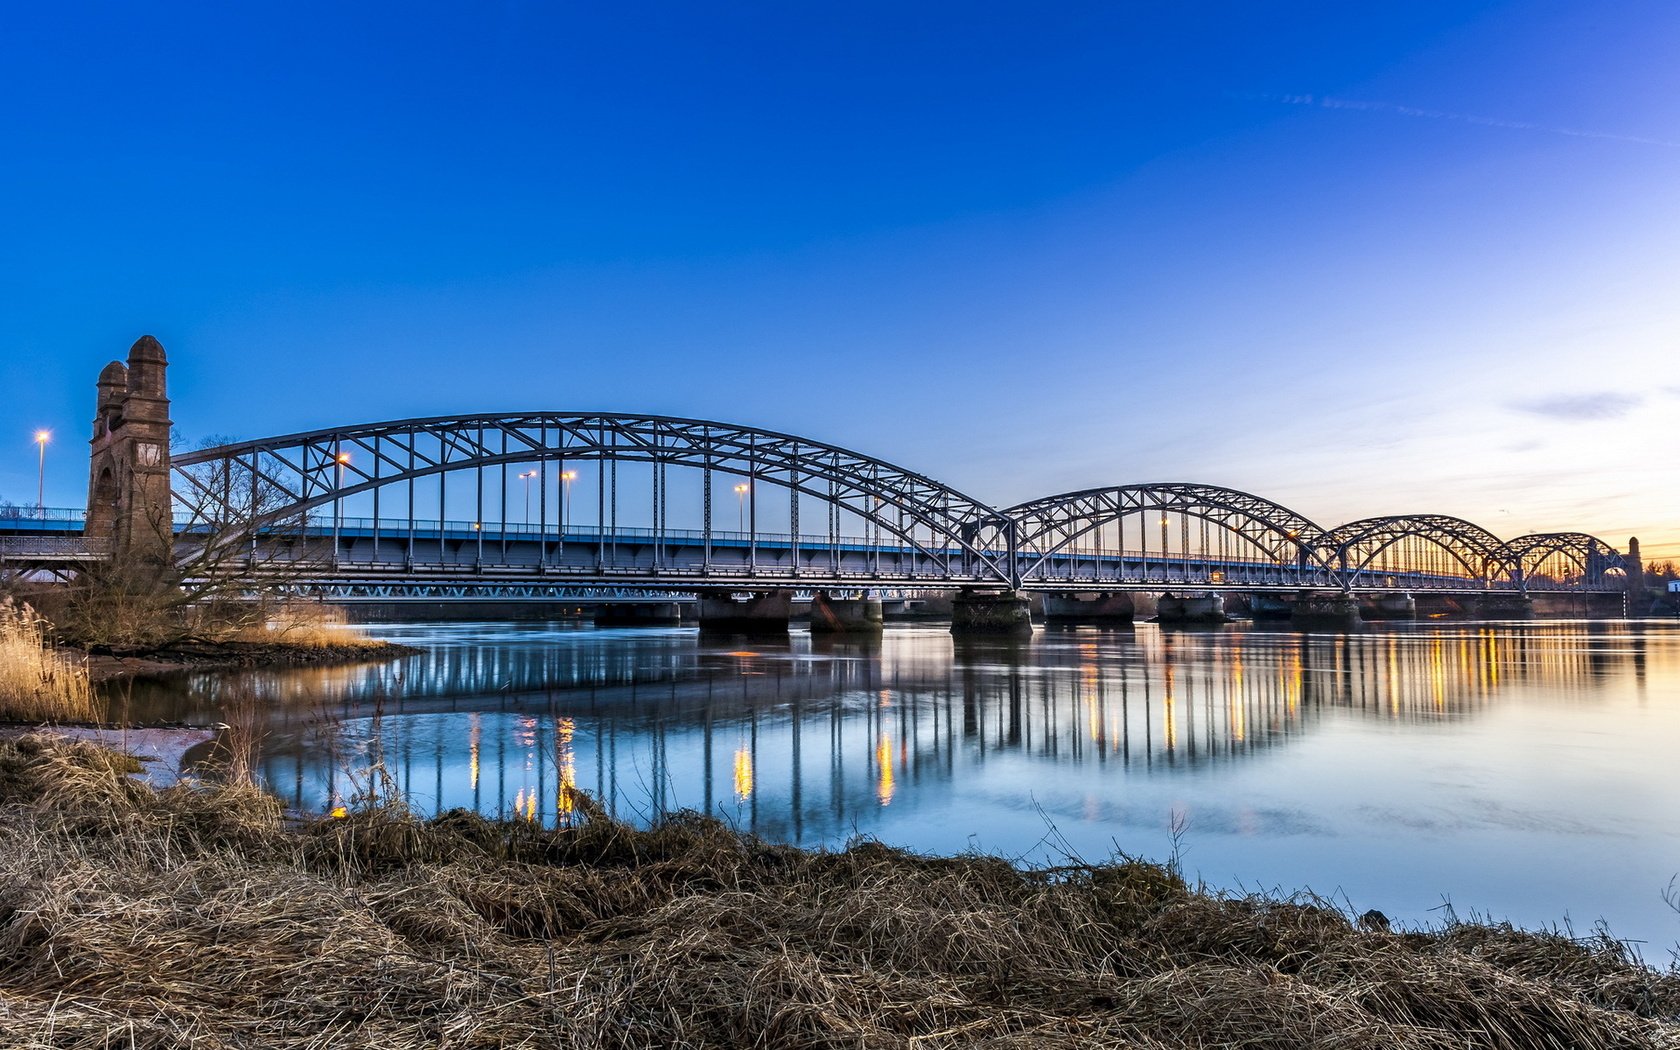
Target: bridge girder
1591,556
302,471
1354,546
1047,526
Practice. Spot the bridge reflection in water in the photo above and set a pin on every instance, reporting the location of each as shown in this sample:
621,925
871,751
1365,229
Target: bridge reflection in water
808,741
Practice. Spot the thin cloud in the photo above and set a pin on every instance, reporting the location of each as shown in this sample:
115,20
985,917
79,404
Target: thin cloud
1581,408
1332,102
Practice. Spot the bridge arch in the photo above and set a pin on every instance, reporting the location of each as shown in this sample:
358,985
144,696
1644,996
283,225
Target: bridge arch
1559,560
1422,547
1203,525
302,472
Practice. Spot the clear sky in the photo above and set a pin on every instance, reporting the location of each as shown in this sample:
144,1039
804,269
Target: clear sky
1358,258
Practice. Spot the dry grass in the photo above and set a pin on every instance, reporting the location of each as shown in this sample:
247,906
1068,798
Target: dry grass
203,917
37,682
303,626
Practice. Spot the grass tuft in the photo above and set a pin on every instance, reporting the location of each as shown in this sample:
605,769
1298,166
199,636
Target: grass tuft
38,683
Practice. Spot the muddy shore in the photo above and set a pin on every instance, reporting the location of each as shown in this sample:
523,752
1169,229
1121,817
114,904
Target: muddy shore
106,665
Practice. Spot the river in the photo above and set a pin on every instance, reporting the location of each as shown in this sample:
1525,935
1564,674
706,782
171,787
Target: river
1520,772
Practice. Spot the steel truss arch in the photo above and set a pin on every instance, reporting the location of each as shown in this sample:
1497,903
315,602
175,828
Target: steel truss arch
310,469
1047,526
1354,546
1593,557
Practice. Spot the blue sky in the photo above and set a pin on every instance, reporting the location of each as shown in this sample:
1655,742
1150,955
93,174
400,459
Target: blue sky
1360,259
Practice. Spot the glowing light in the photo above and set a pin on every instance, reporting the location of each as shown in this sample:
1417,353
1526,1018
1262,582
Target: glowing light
477,734
42,437
743,774
883,760
564,797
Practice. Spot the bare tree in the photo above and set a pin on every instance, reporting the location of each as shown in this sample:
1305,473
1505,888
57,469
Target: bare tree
236,548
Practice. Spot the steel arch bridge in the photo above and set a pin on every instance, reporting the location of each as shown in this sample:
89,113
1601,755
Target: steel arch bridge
580,500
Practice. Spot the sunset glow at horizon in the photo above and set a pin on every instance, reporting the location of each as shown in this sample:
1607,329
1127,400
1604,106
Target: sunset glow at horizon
1358,262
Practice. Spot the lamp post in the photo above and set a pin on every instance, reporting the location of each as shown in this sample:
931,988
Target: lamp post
41,439
741,507
566,477
526,478
340,461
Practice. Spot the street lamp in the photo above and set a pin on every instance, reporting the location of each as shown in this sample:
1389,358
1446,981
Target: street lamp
741,506
566,477
526,478
41,439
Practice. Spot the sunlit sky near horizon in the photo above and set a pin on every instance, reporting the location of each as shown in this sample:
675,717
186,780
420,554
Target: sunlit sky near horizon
1359,259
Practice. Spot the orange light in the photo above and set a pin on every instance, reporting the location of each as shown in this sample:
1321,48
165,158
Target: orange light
344,457
568,475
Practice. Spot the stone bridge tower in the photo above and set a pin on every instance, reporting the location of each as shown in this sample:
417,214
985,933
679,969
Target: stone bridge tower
129,506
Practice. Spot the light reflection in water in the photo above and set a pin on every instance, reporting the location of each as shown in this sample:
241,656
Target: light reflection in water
927,740
641,711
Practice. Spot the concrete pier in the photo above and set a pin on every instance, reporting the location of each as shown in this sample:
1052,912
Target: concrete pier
831,615
638,614
1397,606
1501,605
1092,608
1269,607
1175,608
991,612
757,612
1330,612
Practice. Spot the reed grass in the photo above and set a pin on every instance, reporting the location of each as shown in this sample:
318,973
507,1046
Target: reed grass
207,917
38,683
304,626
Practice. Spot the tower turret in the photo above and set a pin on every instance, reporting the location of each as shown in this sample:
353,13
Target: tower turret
129,505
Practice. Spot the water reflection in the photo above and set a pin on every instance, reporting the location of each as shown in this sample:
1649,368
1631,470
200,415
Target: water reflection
815,738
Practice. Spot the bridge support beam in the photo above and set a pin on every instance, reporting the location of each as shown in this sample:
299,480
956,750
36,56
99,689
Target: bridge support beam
1091,608
1178,608
1331,612
1264,606
991,612
757,612
830,615
1501,605
638,614
1398,606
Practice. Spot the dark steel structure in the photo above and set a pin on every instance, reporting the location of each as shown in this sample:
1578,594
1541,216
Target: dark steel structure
516,503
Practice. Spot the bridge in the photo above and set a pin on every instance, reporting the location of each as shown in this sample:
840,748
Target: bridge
557,503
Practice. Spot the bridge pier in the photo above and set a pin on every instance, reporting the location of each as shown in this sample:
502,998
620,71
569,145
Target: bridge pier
638,614
831,615
1090,608
1333,612
1263,606
1397,606
760,612
1501,605
1206,608
991,612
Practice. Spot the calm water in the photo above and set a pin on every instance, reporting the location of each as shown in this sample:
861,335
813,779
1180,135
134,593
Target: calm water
1525,772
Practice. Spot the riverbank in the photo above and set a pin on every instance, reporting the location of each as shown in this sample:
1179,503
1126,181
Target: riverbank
207,915
105,665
